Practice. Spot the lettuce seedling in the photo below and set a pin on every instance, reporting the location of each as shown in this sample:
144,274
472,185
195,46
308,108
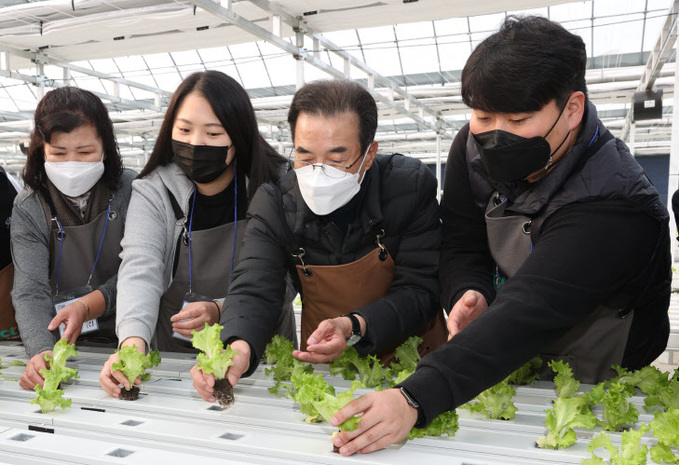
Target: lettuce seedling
133,364
665,427
278,354
50,396
630,452
566,413
329,405
495,402
617,411
215,359
444,424
660,391
369,369
526,374
564,382
308,388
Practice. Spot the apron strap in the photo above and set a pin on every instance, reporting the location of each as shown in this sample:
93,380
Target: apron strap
178,213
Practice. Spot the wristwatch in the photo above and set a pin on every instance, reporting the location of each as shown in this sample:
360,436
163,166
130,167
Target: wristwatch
355,329
412,402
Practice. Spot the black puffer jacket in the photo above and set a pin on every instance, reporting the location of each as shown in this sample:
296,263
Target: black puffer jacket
611,247
398,195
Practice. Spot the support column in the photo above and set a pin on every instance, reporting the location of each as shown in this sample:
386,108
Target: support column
673,180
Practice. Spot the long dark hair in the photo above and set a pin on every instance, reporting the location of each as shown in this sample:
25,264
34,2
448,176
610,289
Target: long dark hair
232,106
63,110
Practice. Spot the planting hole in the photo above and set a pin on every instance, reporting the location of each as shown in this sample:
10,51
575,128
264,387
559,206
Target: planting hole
132,423
231,436
120,453
173,379
216,408
21,437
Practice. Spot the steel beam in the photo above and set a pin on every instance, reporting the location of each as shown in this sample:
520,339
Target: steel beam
659,56
300,53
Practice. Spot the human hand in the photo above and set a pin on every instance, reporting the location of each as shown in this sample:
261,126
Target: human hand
467,309
386,418
204,383
73,315
196,315
109,379
327,342
31,375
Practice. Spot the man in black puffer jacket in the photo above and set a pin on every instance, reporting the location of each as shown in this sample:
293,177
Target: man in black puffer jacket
555,242
359,233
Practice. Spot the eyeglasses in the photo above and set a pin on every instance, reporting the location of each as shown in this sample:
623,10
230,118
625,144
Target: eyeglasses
339,170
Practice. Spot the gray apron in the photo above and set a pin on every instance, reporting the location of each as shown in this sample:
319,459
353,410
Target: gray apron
211,257
79,247
594,344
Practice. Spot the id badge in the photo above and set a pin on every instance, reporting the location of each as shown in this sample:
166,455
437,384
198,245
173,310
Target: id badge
189,297
67,298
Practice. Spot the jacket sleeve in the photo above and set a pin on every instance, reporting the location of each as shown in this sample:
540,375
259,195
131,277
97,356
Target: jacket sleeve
466,262
413,296
575,266
145,256
255,298
31,294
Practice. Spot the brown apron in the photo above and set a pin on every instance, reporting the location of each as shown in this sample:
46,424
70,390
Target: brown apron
80,245
9,331
595,343
211,256
330,291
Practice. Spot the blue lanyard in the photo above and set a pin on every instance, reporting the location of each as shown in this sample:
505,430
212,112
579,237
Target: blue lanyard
595,134
235,226
62,236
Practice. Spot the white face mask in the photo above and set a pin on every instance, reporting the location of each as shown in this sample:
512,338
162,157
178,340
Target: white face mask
74,178
324,194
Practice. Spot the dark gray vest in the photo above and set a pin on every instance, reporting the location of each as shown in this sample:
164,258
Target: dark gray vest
598,167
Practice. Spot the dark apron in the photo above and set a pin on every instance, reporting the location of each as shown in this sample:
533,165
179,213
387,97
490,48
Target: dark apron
592,346
9,331
211,254
79,251
330,291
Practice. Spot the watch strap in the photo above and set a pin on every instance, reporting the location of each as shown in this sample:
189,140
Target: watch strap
355,329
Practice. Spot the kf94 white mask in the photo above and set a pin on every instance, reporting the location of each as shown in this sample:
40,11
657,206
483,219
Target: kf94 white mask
74,178
324,194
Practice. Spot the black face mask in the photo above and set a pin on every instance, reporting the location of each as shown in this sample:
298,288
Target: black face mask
201,163
508,157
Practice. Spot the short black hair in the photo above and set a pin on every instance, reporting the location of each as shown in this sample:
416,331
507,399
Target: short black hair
334,97
528,63
63,110
231,104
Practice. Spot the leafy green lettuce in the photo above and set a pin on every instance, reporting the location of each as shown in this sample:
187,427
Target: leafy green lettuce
444,424
132,364
665,427
617,411
50,396
566,414
495,402
328,406
369,369
214,358
630,452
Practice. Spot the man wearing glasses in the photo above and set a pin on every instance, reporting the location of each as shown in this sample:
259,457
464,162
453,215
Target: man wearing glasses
359,232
